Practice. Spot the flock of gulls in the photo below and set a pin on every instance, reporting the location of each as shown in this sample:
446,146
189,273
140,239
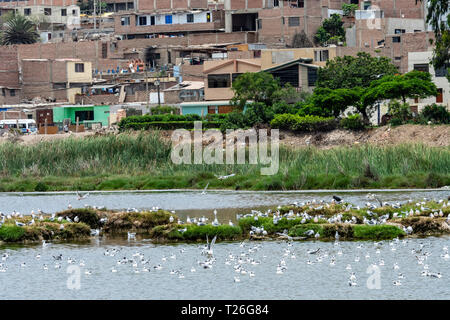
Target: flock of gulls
249,254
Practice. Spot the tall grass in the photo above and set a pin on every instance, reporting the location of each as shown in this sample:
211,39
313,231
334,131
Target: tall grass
142,161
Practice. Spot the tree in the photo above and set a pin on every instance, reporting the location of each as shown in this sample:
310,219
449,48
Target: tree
87,6
414,84
355,73
350,72
256,87
19,30
439,18
334,101
331,28
348,9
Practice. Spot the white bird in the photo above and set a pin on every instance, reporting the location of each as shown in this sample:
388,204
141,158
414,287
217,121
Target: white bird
215,222
204,190
131,235
81,197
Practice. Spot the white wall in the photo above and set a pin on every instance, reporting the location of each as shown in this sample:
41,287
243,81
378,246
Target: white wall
440,82
179,18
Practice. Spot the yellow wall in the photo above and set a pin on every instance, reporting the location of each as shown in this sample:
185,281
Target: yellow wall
294,53
73,76
222,66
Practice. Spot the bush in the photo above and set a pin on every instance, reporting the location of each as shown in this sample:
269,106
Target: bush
352,122
307,123
400,112
170,125
436,114
158,118
41,186
165,110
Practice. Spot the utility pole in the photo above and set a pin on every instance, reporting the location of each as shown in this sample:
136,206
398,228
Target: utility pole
95,15
147,97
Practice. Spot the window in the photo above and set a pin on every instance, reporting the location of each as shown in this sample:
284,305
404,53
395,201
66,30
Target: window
47,11
104,50
312,77
321,55
276,3
152,20
218,81
354,1
259,24
208,17
417,30
63,12
424,67
74,12
79,67
211,109
234,76
125,21
130,5
300,3
3,92
294,21
27,11
12,92
142,21
441,72
168,19
190,18
398,58
396,39
367,5
440,96
398,31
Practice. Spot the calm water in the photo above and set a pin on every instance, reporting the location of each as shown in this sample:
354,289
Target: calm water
301,280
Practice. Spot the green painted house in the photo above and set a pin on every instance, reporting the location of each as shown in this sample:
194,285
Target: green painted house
86,114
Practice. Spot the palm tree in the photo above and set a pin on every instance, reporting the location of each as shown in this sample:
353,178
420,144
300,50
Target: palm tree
19,30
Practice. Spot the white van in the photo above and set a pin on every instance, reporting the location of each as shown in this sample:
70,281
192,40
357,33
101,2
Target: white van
25,125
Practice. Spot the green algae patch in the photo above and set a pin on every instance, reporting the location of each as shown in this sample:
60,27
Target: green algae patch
11,233
196,233
378,232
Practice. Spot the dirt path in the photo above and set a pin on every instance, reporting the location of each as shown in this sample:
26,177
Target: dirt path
383,136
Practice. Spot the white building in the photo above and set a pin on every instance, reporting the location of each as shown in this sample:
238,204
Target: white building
421,61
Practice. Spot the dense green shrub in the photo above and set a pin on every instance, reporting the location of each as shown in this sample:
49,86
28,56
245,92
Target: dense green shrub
306,123
377,232
158,118
165,110
436,114
400,112
352,122
170,125
41,186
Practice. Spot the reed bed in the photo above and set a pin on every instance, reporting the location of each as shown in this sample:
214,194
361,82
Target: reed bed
142,161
